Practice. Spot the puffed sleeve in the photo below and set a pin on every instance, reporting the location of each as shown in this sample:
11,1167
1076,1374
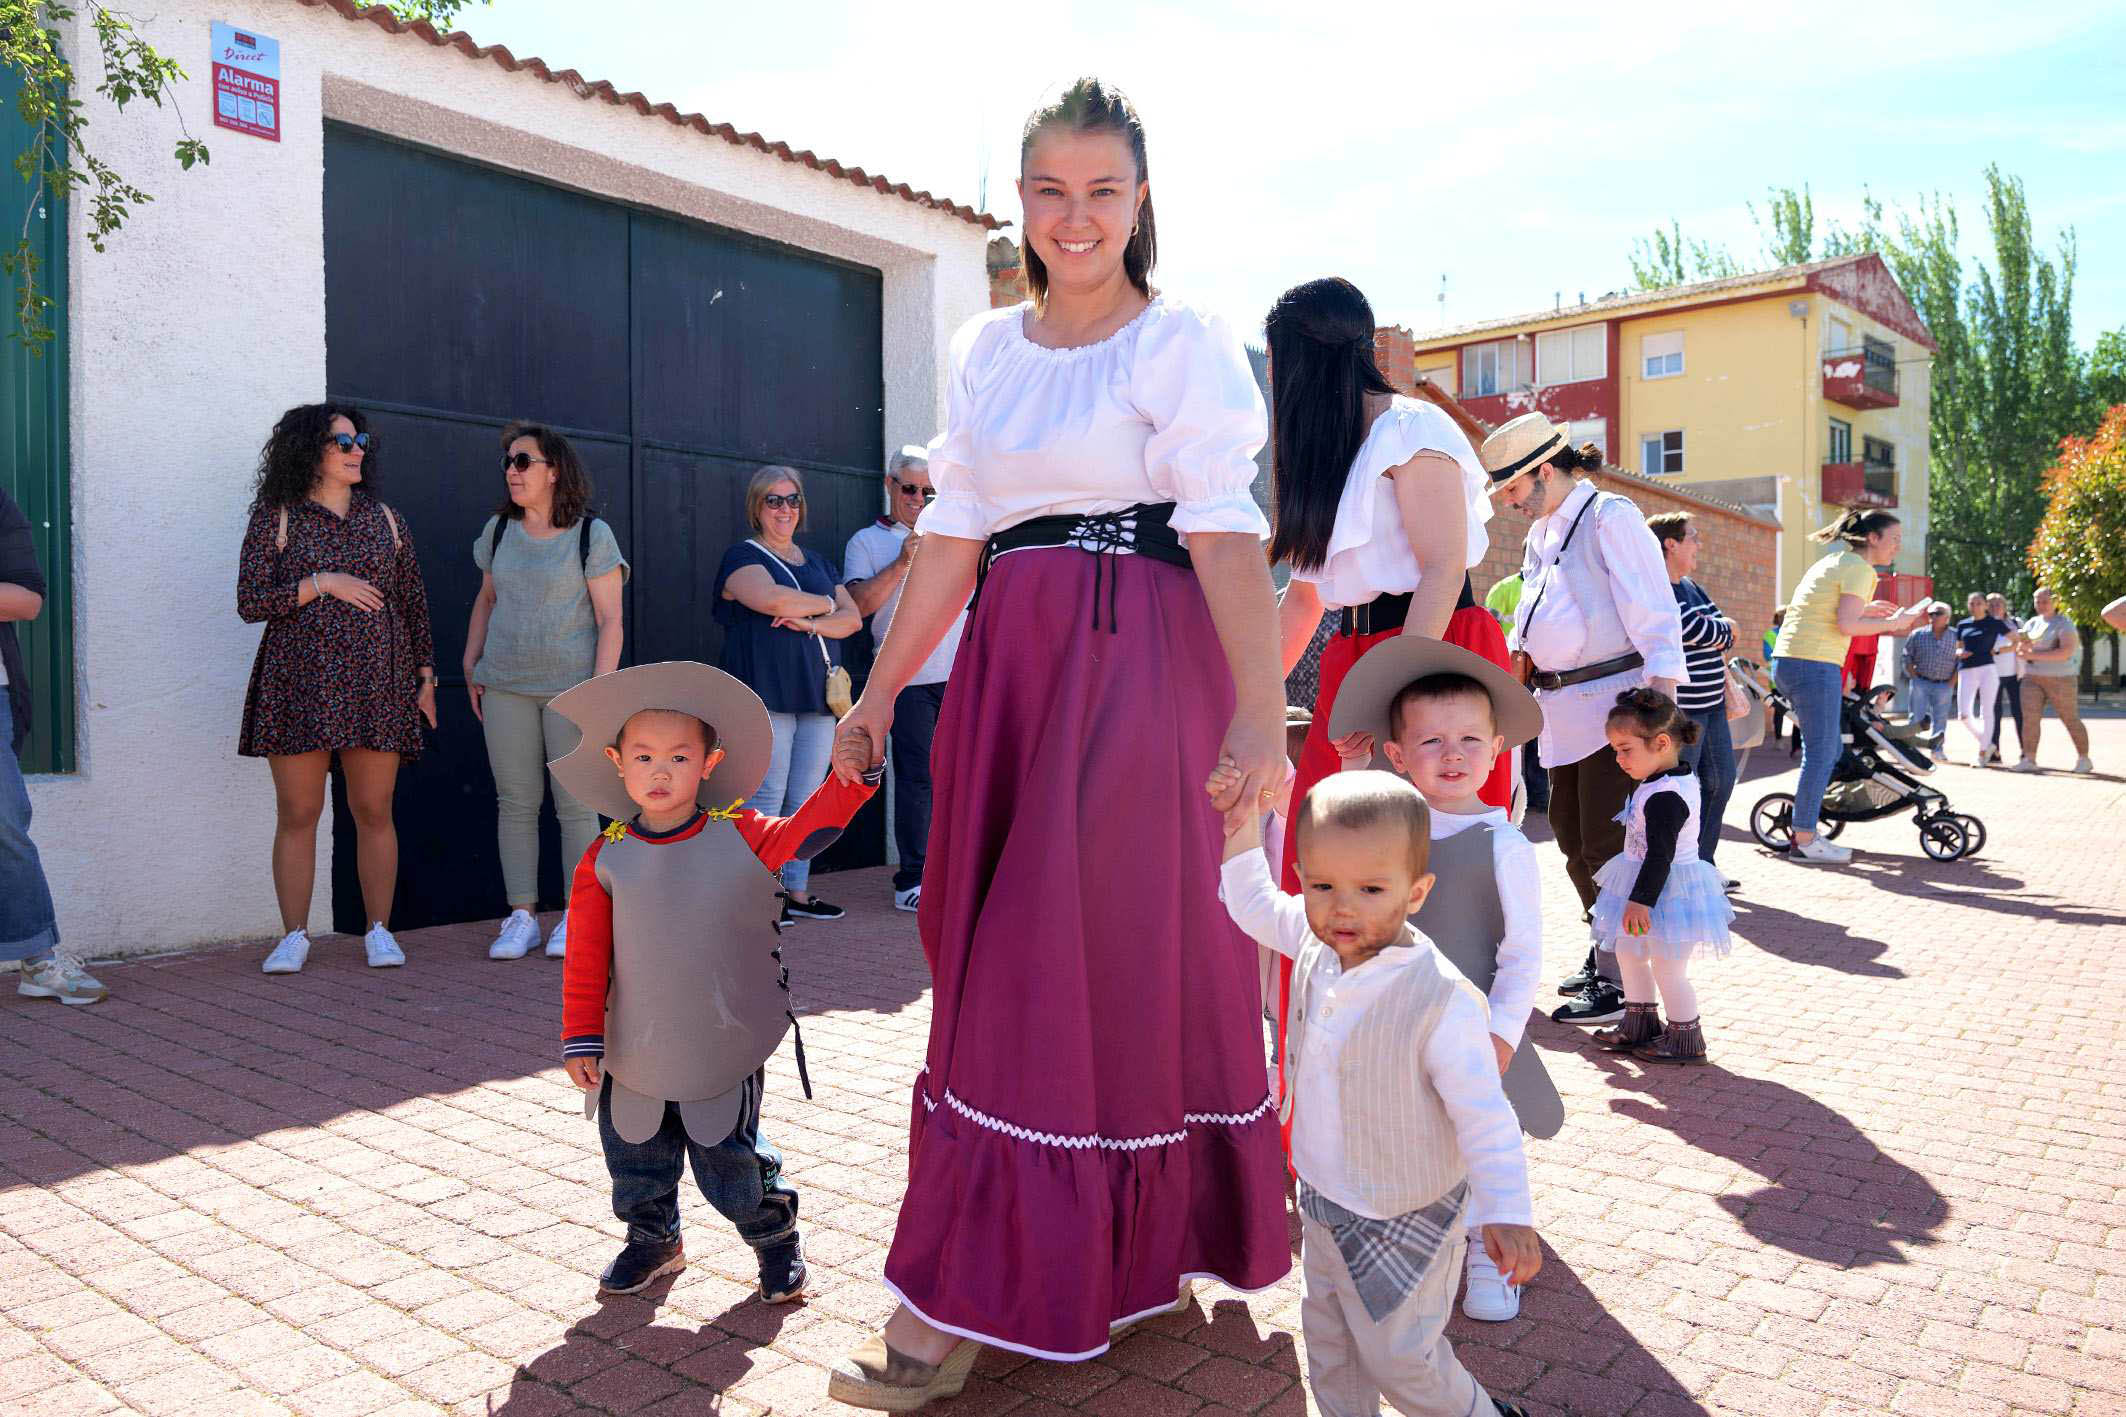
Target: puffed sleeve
957,510
1192,381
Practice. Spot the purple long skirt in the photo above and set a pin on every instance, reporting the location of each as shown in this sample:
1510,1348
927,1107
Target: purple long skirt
1093,1125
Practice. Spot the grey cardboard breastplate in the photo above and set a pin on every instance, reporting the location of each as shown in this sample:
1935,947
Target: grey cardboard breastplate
696,1004
1463,916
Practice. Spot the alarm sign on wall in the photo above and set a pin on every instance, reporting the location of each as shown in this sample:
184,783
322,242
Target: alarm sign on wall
247,81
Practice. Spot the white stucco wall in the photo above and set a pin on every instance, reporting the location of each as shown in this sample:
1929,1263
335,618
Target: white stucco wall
205,319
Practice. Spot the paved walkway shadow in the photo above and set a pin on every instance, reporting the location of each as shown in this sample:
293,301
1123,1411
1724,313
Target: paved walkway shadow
1804,939
619,1356
1830,1193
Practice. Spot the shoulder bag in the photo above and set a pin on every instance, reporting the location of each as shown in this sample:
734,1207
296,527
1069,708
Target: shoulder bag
839,698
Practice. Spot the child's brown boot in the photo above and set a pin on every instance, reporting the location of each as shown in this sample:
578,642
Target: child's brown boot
1641,1024
1681,1043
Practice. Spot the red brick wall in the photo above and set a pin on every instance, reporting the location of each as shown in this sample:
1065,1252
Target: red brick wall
1737,561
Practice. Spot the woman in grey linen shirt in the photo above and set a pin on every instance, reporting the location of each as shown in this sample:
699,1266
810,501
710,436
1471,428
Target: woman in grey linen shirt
547,618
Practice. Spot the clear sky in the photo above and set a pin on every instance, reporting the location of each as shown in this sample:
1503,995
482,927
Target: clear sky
1514,148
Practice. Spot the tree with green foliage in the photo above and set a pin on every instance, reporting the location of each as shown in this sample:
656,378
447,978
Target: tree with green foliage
2080,549
1666,259
57,162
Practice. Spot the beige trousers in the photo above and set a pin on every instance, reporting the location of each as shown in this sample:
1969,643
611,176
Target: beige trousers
2058,691
1353,1362
523,735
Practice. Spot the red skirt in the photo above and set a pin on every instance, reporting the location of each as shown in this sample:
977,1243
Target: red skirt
1471,627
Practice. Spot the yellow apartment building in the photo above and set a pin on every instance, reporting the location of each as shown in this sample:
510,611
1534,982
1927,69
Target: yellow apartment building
1793,393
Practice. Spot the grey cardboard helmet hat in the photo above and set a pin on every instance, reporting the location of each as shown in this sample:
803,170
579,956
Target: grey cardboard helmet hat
602,705
1382,672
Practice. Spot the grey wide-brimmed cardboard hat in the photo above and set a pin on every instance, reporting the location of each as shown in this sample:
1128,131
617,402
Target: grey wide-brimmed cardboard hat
1382,672
602,705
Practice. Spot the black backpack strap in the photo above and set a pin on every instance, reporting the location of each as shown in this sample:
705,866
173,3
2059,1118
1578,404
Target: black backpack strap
584,542
494,542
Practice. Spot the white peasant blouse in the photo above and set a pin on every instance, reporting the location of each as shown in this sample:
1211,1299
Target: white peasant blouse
1163,410
1369,552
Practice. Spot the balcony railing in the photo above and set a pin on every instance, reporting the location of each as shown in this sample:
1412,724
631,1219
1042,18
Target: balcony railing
1860,378
1859,484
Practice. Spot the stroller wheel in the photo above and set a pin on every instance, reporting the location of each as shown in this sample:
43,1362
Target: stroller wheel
1942,837
1831,826
1974,833
1772,821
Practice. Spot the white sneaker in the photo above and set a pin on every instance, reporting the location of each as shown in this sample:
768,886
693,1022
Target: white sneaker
910,898
1828,853
1979,761
60,977
289,954
518,934
2084,765
1490,1299
557,943
383,951
2026,765
1938,755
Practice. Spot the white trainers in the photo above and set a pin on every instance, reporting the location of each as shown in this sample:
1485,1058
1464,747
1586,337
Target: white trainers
1827,853
289,954
557,943
518,934
2083,765
383,951
1937,755
908,899
1489,1299
60,977
2025,765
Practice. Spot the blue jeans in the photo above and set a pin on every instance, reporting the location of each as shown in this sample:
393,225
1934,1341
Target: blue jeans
1934,701
741,1176
915,724
804,745
28,928
1712,758
1813,688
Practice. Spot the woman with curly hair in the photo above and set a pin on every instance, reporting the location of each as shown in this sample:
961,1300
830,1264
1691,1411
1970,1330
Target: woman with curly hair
346,665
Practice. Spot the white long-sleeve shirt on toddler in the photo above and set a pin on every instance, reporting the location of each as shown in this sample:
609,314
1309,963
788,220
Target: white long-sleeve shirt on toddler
1456,1060
1520,953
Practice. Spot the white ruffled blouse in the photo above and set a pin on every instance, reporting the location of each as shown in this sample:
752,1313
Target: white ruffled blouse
1163,410
1369,553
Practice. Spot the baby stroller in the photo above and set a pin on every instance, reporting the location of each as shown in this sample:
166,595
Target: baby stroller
1877,775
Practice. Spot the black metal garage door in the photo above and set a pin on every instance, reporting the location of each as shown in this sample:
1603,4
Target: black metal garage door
678,357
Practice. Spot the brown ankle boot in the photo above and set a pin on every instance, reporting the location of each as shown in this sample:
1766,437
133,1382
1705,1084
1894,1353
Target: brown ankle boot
1641,1024
1680,1043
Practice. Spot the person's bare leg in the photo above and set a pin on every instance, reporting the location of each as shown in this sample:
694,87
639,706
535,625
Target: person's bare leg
370,779
910,1335
298,799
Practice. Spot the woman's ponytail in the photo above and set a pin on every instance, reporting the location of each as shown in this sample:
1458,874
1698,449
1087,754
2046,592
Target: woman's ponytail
1855,527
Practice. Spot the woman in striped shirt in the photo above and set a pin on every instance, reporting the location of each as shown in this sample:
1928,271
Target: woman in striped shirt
1707,637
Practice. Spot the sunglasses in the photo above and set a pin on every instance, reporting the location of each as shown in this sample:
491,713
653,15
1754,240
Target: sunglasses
520,461
909,489
778,500
348,442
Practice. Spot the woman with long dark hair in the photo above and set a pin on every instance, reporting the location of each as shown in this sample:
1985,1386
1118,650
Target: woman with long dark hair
1093,1128
1834,602
346,665
547,617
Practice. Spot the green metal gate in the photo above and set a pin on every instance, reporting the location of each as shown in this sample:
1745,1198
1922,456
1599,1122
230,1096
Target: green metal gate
33,448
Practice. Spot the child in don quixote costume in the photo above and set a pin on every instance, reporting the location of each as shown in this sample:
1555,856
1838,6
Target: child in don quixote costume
674,994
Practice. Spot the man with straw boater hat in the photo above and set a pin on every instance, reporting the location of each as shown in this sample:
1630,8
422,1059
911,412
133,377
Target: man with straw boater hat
1596,618
674,994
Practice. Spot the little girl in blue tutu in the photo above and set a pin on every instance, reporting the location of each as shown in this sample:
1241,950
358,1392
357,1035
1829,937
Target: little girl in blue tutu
1660,906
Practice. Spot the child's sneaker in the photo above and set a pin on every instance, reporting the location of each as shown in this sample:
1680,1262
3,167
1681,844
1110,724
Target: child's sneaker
289,954
1490,1299
557,943
782,1272
382,949
517,935
641,1264
60,976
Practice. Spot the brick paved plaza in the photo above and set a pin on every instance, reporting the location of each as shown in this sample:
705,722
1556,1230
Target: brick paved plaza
1901,1188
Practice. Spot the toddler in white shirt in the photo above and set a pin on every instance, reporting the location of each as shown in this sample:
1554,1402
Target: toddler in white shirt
1439,717
1397,1164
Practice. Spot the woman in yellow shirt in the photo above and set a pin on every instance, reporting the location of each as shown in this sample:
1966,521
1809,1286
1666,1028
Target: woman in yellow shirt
1834,602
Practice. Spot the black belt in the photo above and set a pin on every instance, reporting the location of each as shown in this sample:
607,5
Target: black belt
1389,612
1144,529
1586,673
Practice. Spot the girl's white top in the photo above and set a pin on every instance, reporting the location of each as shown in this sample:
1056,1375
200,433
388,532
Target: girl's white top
1163,410
1369,552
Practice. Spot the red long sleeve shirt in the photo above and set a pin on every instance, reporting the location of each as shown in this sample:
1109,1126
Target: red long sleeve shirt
587,969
